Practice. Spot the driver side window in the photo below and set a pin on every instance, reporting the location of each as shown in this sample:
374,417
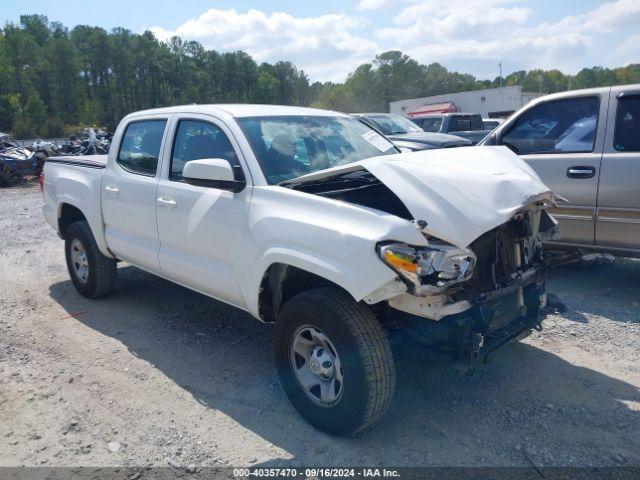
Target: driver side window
559,126
197,139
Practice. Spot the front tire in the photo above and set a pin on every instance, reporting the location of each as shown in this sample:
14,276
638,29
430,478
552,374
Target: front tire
334,361
93,274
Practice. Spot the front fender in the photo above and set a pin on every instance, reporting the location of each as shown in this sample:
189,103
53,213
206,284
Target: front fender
359,278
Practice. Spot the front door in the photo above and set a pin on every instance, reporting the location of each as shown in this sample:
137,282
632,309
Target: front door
562,140
203,231
618,216
129,193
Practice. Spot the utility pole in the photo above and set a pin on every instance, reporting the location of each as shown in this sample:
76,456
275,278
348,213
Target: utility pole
500,70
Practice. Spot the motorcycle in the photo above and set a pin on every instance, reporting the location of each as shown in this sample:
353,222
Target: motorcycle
89,142
16,161
44,149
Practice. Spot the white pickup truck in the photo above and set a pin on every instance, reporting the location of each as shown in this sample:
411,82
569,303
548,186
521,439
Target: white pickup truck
312,221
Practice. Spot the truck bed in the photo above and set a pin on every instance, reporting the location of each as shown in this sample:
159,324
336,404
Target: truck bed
75,181
91,161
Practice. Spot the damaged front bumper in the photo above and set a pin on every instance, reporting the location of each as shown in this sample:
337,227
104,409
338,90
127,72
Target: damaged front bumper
492,321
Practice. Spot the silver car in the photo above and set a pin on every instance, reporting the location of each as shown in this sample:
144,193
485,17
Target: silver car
585,145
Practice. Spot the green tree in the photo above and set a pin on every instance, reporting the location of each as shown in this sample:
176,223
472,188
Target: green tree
35,111
53,128
23,128
51,76
9,110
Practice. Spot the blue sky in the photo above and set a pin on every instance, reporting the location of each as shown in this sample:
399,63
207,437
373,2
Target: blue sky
329,38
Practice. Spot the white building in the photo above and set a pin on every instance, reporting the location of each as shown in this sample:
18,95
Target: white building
490,103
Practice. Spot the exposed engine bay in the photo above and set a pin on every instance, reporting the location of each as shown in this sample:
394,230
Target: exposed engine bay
471,299
360,188
501,300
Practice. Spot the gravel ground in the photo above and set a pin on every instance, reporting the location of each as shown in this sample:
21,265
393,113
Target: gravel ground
156,374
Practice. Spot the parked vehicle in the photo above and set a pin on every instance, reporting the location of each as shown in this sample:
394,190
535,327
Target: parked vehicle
89,142
311,220
466,125
46,146
44,149
16,161
585,145
491,123
405,134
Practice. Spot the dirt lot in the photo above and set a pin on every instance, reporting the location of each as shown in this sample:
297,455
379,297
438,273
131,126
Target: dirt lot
156,373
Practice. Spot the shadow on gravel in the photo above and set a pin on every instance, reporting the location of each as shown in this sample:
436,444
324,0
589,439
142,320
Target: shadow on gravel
609,290
23,184
526,403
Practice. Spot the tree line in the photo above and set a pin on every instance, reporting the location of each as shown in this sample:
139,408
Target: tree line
53,79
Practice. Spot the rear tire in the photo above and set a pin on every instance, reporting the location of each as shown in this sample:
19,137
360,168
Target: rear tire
356,341
93,274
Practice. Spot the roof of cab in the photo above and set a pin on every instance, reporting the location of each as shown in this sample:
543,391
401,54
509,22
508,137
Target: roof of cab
366,114
241,110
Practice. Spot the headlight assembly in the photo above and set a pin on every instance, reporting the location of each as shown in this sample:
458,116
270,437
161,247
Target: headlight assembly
429,269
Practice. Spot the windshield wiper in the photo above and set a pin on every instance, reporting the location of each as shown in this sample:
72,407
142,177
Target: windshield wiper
511,146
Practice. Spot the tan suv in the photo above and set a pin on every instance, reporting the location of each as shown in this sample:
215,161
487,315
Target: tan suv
585,145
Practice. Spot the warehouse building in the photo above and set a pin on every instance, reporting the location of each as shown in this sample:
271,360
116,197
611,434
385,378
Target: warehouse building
490,103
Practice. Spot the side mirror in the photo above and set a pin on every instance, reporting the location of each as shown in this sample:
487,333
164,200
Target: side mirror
212,173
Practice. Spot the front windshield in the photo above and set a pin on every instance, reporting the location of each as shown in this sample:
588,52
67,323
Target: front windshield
291,146
393,124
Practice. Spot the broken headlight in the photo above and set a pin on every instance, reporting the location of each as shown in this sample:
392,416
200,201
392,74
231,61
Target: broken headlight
429,269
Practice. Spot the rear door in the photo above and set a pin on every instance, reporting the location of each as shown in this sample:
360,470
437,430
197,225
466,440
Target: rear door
618,214
129,192
562,139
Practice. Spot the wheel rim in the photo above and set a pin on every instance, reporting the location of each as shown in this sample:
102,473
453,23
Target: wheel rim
79,261
316,366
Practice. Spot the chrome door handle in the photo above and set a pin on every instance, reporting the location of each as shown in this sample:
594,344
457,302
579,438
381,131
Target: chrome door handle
167,202
581,172
112,189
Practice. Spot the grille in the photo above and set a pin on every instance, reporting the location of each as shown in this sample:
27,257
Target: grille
499,253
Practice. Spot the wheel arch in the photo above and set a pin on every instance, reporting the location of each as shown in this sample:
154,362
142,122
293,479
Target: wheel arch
68,214
281,281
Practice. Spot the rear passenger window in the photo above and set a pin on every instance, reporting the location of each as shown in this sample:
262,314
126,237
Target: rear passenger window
567,125
465,123
627,131
140,147
196,140
460,124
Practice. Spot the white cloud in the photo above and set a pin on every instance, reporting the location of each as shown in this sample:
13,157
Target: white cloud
330,46
629,49
608,17
454,13
501,29
373,4
327,47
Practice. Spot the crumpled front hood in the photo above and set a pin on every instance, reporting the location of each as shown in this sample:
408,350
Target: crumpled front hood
461,193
